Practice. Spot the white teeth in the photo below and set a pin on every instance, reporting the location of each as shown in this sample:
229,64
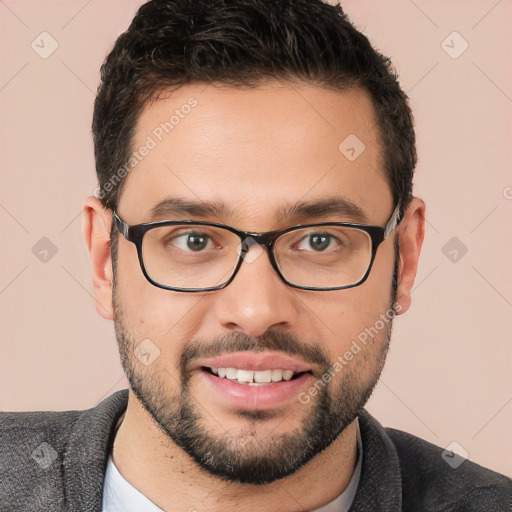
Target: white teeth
263,376
253,378
277,375
231,373
244,376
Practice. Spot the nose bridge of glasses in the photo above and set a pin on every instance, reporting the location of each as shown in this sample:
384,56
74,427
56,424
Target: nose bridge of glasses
262,239
247,242
258,242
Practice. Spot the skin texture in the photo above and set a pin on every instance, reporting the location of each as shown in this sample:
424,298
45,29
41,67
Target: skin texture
254,150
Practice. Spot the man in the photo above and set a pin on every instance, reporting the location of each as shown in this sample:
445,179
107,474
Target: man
254,221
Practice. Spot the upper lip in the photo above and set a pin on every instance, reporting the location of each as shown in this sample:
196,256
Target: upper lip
255,362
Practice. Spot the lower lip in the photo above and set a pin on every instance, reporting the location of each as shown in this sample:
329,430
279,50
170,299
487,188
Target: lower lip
243,396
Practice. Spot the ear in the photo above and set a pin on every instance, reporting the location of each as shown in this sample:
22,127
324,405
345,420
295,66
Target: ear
410,232
96,222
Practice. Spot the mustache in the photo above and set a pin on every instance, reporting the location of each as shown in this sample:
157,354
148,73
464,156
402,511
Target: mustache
285,343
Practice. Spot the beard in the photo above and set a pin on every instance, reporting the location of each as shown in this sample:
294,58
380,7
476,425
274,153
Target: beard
242,456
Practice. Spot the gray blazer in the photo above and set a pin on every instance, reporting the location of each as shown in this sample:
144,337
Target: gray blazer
56,461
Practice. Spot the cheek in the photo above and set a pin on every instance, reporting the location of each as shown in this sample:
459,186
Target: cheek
147,309
359,354
166,318
345,316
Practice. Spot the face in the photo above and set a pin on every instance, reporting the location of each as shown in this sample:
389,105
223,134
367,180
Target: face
255,152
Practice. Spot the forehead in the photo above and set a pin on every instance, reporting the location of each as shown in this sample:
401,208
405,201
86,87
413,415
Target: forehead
257,152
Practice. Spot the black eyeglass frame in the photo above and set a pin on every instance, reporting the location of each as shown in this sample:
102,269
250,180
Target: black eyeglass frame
135,235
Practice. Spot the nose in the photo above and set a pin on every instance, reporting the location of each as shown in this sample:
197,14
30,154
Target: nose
257,299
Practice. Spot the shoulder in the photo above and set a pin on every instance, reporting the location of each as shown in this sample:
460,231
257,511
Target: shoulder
15,423
43,453
31,455
444,481
21,433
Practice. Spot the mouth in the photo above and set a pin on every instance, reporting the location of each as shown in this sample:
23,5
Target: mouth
253,381
254,377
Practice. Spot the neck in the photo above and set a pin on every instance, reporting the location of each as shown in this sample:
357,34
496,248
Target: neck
166,475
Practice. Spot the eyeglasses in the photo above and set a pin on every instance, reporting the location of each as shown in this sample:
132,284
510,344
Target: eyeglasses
195,256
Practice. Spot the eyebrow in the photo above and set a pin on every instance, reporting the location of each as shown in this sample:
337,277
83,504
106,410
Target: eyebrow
332,205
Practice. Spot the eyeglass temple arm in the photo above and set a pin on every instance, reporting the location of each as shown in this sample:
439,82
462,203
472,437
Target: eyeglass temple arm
120,225
393,221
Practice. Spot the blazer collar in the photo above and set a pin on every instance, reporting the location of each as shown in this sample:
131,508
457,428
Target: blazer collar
380,485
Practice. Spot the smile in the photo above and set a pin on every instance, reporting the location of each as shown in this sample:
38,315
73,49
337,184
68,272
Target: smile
254,378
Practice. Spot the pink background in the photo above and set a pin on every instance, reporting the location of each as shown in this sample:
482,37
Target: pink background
448,373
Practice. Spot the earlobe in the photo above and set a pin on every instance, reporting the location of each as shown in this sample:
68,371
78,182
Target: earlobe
411,233
96,224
